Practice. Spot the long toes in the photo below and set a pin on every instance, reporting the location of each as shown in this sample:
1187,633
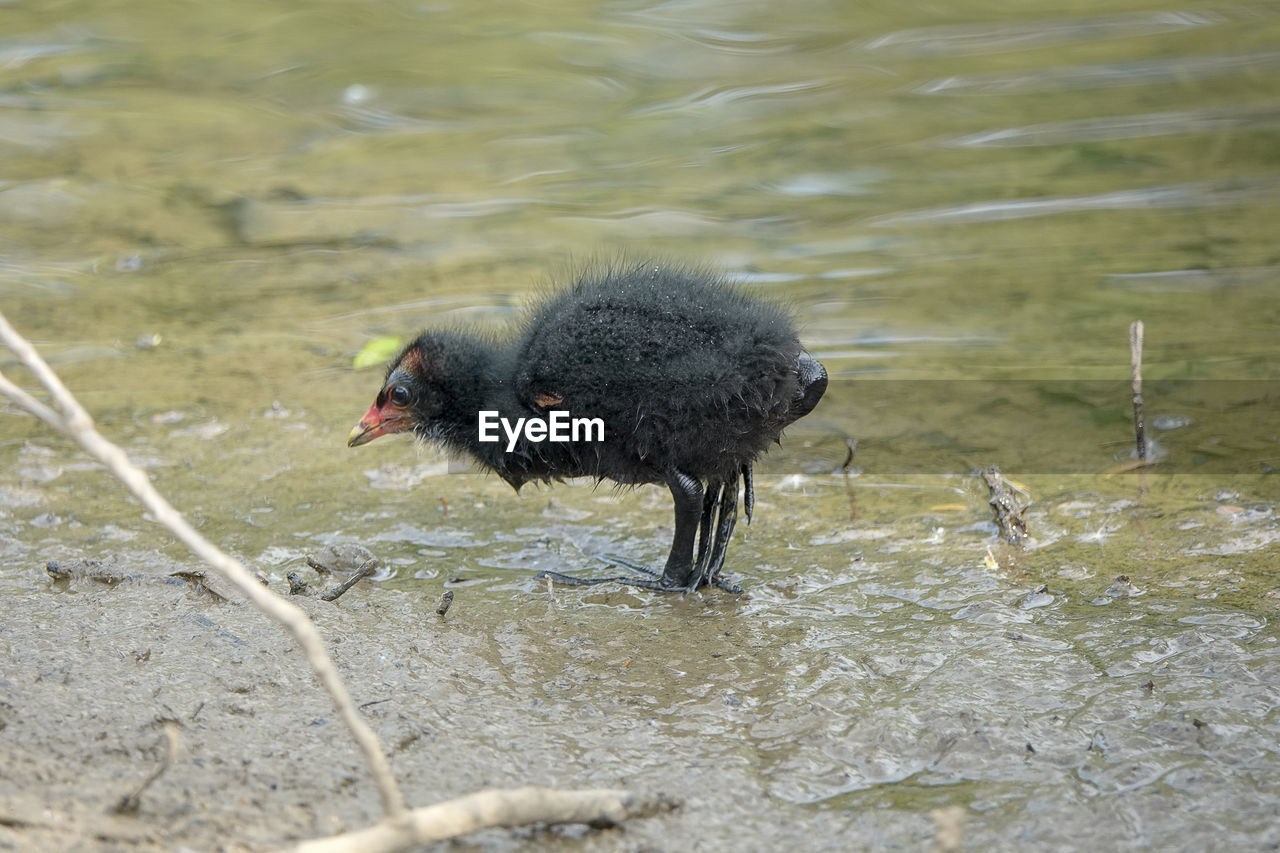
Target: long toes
654,581
615,560
570,580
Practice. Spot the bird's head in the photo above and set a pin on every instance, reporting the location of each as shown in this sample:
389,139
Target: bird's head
427,385
392,410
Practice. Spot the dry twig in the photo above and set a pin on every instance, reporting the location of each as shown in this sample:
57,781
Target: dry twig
851,446
366,569
488,809
1135,376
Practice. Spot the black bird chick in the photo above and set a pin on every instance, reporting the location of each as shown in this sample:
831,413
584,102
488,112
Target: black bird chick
691,379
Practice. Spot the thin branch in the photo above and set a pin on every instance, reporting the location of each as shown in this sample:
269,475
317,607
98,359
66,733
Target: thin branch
367,568
1135,376
72,413
851,445
28,403
75,422
487,809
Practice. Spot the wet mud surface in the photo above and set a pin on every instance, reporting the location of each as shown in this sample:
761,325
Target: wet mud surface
876,671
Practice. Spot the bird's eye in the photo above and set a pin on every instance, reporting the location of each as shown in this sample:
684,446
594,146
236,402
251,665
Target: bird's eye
399,395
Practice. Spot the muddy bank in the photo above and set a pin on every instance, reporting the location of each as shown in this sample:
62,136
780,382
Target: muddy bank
837,704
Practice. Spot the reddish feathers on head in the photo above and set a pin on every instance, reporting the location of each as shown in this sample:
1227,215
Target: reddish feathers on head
411,360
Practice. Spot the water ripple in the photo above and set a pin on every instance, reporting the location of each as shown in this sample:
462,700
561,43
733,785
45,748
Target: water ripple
1120,127
1177,69
14,54
32,131
368,119
1194,281
716,96
657,220
968,39
853,182
739,41
1198,194
394,219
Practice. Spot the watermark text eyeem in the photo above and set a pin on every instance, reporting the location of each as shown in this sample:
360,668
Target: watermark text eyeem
559,426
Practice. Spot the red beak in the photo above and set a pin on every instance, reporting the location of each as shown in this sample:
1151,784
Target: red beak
389,419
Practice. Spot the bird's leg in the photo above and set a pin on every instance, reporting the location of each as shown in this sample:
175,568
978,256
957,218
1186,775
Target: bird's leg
688,495
728,517
710,497
679,571
748,491
705,570
696,511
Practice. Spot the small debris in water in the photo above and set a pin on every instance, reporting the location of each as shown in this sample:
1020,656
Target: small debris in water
461,581
342,559
1039,598
298,586
1098,743
1123,588
369,567
1168,422
207,581
377,352
990,561
102,571
1010,502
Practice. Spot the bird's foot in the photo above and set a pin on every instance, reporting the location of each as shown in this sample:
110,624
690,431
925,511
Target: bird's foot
570,580
652,581
695,583
727,586
615,560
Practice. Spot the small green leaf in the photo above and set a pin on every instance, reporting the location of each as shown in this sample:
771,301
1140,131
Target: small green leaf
377,352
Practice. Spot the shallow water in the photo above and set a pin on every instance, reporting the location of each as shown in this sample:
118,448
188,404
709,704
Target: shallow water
205,214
